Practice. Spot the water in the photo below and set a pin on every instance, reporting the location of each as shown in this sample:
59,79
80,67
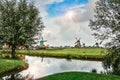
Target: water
40,67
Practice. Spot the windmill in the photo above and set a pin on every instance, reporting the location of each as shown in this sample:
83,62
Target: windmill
77,43
42,42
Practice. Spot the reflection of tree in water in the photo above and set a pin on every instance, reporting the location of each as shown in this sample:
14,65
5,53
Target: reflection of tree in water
17,77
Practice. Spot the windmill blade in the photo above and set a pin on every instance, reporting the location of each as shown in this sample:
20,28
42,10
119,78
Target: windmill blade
42,38
45,40
76,38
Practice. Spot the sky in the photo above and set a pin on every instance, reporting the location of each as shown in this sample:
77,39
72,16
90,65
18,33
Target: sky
66,20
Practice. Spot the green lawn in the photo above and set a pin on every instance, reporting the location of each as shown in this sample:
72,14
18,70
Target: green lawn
80,76
10,64
70,53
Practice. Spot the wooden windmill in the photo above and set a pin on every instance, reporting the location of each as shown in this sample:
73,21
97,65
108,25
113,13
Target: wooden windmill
77,43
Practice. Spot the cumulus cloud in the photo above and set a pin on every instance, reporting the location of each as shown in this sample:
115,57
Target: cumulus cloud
67,27
61,30
86,13
77,26
89,13
70,29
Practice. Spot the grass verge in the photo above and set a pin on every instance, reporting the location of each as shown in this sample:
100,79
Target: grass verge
10,64
70,53
80,76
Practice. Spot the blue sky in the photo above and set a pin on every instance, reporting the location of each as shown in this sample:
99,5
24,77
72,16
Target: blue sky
56,9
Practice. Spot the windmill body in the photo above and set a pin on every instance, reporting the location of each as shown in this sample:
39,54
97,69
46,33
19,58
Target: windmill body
77,43
42,45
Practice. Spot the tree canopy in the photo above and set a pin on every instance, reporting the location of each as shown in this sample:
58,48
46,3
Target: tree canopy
107,22
106,25
19,23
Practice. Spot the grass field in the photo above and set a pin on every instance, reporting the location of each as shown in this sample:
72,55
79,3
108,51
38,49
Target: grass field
70,53
80,76
10,64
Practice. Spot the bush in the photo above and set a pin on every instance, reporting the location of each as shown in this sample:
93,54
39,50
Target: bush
94,70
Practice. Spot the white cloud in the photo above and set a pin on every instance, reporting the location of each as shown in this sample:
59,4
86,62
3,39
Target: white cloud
78,25
70,29
85,14
51,1
41,4
89,10
62,30
77,7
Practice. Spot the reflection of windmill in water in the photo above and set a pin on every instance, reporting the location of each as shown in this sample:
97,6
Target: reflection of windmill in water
77,43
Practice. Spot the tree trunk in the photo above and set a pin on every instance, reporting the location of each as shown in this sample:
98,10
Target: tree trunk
13,51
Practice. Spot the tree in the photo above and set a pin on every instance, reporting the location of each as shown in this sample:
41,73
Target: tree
106,26
115,1
84,45
19,23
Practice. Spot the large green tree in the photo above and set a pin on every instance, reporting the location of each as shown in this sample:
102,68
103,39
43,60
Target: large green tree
19,23
106,26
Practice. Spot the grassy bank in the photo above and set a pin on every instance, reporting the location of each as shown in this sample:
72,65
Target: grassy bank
80,76
10,64
71,53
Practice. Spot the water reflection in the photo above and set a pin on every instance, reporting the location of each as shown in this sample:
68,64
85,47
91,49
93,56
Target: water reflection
39,67
17,77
